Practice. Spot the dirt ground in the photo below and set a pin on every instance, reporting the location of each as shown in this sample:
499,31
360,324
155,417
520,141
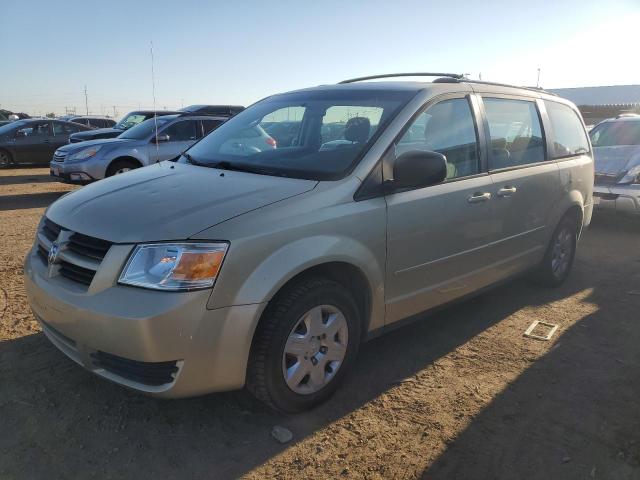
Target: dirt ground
460,395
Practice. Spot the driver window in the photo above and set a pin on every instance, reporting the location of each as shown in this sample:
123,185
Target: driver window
447,128
35,130
181,131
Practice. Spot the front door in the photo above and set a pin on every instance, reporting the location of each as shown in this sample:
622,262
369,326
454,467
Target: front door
33,143
438,236
182,134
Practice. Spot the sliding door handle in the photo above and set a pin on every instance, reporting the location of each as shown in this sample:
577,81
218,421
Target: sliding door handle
479,197
507,191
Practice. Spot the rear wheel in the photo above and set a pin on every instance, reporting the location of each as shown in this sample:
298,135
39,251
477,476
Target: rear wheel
121,166
304,345
558,260
5,159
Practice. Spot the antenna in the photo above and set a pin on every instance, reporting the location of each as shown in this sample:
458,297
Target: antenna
153,91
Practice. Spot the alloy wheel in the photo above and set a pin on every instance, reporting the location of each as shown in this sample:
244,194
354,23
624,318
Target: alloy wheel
315,349
562,252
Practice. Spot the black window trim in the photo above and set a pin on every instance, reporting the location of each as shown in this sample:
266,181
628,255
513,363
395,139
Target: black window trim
542,118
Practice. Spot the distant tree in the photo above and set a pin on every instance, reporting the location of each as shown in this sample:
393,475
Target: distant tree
50,115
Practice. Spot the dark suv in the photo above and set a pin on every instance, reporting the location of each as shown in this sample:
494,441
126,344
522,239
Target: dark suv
128,121
90,121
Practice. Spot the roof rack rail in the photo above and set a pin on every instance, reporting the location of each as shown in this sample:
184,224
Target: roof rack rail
497,84
456,76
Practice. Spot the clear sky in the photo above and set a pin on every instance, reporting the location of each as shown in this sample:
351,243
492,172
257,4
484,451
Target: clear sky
240,51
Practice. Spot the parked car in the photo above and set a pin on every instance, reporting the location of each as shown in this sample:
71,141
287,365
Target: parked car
616,148
267,267
131,119
33,141
90,121
136,147
219,110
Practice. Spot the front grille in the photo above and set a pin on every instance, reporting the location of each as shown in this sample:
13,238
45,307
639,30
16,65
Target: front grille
77,273
148,373
51,230
59,157
88,246
78,252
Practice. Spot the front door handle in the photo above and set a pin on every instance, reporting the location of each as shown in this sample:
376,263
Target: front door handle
479,197
507,191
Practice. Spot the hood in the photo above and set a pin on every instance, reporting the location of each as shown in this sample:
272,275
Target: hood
616,160
76,147
99,133
168,201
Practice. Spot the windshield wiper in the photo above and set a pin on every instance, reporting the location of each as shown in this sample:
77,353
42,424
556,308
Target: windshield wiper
225,165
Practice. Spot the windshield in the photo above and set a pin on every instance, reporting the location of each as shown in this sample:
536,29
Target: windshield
145,129
129,121
616,133
4,129
316,135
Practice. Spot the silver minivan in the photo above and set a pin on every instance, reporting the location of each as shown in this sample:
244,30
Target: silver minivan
268,267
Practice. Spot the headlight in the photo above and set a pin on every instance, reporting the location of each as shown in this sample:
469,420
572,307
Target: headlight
174,266
632,176
84,154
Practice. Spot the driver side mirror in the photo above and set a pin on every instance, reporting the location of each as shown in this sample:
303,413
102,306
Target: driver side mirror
418,169
162,138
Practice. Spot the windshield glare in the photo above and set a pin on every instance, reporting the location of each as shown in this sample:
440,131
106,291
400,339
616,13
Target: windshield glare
315,135
145,129
130,121
616,133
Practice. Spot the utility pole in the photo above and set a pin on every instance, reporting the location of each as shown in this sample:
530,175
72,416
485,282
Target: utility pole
538,81
86,100
114,112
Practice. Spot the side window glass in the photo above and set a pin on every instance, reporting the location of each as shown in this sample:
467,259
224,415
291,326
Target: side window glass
516,134
182,131
447,128
205,127
34,130
283,125
64,128
568,133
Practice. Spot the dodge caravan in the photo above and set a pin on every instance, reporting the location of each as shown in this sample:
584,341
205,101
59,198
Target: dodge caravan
267,267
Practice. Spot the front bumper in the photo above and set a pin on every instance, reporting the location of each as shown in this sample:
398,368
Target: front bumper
77,173
114,330
623,199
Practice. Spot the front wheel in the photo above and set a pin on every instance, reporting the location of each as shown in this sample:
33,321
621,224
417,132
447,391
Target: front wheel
304,345
558,260
5,159
121,166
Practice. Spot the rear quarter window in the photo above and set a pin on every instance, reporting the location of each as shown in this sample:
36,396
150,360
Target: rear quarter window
569,136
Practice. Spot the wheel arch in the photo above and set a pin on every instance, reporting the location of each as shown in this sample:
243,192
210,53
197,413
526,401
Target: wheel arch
127,158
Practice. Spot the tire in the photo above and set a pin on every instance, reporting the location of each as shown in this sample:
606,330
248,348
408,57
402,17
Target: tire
556,265
289,338
121,166
5,159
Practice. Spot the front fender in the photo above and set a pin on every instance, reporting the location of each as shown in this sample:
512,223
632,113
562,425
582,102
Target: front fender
262,283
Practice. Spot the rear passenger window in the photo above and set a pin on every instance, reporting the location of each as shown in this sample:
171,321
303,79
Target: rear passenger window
516,134
447,128
569,137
